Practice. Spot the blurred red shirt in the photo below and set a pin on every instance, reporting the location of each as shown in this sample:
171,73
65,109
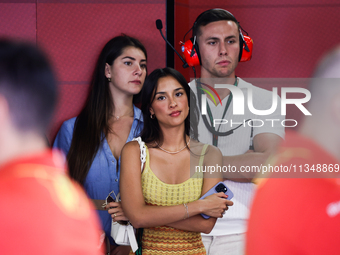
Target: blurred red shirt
296,213
42,211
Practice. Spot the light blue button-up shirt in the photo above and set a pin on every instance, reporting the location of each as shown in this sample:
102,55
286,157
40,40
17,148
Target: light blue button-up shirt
102,177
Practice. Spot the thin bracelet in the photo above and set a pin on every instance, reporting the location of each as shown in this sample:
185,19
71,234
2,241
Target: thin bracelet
186,210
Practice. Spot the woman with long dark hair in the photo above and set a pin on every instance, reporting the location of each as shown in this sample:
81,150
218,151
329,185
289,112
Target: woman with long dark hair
93,140
163,197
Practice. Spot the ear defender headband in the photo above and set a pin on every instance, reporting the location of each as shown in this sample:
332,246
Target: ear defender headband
190,48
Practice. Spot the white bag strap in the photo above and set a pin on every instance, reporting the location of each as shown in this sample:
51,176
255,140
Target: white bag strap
142,150
132,238
118,197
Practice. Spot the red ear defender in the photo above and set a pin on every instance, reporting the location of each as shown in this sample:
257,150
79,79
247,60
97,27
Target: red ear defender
186,48
246,55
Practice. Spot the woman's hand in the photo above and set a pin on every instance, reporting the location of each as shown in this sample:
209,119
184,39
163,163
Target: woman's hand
216,204
116,211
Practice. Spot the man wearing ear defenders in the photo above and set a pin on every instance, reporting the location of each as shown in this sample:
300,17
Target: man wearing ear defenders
217,46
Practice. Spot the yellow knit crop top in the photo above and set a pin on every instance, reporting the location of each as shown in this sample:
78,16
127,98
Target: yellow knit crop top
165,240
156,192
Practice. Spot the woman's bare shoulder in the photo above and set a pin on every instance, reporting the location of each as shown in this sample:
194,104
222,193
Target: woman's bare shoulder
131,147
196,147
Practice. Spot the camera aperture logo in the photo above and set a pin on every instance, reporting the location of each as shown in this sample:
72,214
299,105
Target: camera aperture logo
210,94
238,104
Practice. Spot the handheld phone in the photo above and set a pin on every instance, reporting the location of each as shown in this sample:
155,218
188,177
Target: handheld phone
110,199
219,187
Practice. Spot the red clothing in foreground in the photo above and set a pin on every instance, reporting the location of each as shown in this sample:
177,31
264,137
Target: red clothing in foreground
296,215
42,211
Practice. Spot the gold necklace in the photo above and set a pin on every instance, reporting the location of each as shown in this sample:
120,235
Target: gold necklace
118,117
174,152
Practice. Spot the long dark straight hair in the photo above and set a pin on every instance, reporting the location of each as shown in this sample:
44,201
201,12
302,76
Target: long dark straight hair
151,131
91,126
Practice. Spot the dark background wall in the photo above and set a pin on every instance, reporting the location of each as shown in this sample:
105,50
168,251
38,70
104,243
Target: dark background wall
73,32
289,36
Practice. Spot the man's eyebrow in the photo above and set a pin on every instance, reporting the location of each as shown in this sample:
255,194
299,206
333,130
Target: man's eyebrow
212,38
134,58
230,37
217,38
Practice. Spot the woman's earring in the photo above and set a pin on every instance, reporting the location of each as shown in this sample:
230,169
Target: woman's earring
152,116
109,79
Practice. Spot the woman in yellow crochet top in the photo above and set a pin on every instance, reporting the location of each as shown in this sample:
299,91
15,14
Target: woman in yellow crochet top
163,197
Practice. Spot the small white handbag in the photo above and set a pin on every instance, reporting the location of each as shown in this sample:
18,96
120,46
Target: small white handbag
125,234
